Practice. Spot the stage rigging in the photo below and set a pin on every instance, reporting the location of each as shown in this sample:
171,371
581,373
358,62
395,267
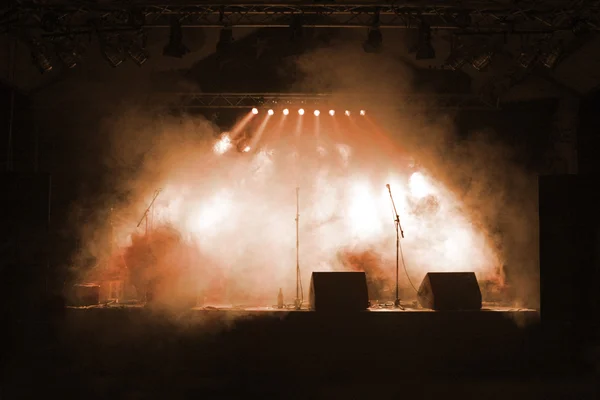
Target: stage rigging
503,16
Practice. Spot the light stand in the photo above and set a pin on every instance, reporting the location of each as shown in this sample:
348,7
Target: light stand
399,233
148,210
298,301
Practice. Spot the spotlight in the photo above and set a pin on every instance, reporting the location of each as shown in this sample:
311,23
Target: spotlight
270,112
347,113
331,112
138,54
136,49
482,61
526,59
69,57
175,47
286,111
317,112
301,111
67,52
246,149
580,28
362,112
455,62
255,111
550,59
111,48
40,57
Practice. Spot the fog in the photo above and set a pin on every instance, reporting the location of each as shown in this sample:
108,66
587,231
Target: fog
222,229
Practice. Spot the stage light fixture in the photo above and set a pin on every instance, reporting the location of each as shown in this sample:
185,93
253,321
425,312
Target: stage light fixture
270,112
332,112
301,111
580,27
175,47
286,111
482,61
246,149
526,59
138,54
455,62
347,113
255,111
40,57
362,112
317,113
550,59
69,57
112,50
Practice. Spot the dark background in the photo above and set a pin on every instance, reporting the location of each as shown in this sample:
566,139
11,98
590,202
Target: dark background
56,128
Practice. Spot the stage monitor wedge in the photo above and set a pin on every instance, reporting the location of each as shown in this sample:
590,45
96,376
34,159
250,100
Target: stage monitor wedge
450,291
338,292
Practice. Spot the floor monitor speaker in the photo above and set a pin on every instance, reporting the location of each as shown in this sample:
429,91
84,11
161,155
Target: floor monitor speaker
450,291
338,291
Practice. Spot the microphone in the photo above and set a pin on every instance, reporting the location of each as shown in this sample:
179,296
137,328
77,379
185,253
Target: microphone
387,186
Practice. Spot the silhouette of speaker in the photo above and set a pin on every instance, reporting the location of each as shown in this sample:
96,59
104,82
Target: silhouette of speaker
338,291
450,291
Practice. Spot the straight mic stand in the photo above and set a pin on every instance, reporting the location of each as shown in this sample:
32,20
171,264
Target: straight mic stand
298,302
399,232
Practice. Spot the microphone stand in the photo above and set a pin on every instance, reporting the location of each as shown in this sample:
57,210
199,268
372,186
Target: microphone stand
399,233
299,294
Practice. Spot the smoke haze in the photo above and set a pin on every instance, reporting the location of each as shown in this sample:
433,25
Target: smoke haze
224,222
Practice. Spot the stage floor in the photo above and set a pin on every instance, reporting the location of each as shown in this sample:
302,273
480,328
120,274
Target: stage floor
264,350
409,308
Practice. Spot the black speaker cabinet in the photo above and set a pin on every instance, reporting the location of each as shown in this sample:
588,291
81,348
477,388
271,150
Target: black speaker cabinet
338,291
85,295
450,291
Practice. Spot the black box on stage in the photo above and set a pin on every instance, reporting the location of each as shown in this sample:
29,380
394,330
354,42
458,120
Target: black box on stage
86,294
450,291
338,291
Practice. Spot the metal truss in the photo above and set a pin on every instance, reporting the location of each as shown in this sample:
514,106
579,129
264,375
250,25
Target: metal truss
350,101
474,15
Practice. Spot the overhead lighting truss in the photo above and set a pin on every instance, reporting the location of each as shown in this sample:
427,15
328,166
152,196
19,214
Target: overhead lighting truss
468,16
273,100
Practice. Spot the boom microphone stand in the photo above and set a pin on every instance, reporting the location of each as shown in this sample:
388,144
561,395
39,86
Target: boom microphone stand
399,232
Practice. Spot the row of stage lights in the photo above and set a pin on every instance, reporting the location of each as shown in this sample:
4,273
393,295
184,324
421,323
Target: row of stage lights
301,112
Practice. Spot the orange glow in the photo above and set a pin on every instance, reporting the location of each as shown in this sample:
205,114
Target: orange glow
234,211
419,187
223,144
